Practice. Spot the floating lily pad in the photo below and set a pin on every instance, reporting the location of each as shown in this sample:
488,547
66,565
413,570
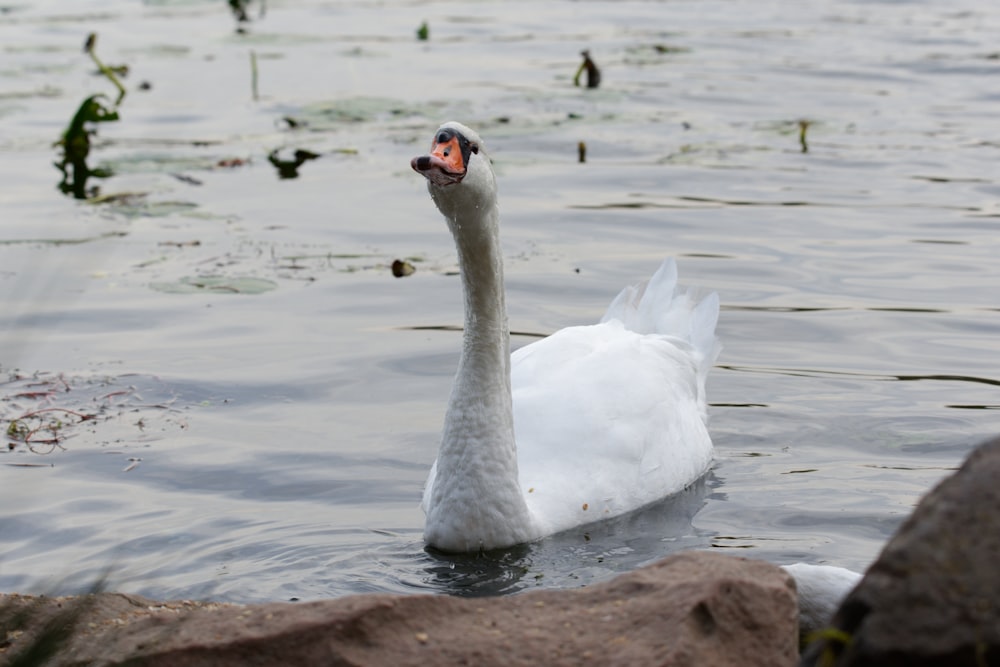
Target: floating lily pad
216,285
337,113
160,50
161,162
653,54
137,205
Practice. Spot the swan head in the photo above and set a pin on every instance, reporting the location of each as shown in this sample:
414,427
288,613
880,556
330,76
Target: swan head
458,171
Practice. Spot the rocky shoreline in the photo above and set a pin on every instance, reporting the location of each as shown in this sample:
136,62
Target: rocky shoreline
694,608
932,598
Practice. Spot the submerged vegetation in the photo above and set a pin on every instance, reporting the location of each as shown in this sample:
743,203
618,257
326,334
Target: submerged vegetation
40,412
41,428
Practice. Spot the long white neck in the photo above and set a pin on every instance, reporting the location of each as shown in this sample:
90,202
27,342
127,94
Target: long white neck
477,500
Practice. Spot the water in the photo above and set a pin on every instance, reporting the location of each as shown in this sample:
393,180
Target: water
267,398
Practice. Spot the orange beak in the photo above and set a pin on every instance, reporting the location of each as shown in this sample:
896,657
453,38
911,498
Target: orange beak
445,165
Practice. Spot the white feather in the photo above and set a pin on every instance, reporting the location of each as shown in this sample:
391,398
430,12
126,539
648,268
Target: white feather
821,589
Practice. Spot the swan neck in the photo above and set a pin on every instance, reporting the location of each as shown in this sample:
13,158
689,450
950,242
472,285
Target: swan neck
484,369
477,500
486,332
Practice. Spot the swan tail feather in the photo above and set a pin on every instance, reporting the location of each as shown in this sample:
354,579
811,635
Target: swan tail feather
661,306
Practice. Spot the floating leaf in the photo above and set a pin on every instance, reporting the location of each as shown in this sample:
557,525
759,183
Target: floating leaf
666,48
216,285
334,114
135,205
63,241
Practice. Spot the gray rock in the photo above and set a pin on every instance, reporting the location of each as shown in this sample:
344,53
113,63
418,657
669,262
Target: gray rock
933,596
696,608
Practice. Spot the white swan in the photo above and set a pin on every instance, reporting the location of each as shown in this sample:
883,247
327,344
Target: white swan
821,589
606,418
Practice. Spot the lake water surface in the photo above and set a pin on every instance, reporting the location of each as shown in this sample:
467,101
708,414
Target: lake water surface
257,400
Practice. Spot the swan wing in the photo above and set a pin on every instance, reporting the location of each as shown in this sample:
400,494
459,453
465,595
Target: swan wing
606,421
611,417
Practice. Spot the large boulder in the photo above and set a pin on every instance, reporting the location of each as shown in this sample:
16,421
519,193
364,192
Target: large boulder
695,608
933,596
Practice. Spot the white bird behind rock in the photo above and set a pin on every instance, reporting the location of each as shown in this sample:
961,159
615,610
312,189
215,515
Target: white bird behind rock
821,589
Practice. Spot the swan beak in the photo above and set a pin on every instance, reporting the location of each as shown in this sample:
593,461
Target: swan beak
446,163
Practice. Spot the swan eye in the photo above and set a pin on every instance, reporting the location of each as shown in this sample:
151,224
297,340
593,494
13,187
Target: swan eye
474,148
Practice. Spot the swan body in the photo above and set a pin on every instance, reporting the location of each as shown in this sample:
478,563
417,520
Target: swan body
586,424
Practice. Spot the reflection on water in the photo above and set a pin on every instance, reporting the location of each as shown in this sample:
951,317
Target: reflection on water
579,556
289,167
804,372
259,398
482,574
75,145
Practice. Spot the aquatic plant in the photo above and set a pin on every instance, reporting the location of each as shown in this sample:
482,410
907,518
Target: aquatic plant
239,10
240,13
593,72
41,411
75,141
289,168
42,427
254,76
89,49
803,128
